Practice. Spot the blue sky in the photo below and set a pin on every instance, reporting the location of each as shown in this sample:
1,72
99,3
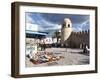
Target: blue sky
51,21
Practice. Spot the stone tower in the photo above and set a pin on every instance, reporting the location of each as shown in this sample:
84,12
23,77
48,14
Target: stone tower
66,30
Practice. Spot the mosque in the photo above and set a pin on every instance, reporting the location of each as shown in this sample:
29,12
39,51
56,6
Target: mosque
72,39
66,37
37,41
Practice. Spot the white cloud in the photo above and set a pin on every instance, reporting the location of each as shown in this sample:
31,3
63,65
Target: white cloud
81,27
47,24
84,24
29,18
76,29
55,27
42,24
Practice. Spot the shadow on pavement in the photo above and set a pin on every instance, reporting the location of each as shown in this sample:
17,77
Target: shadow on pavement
87,53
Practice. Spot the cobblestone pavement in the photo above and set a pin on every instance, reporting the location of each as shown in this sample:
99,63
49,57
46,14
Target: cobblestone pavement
71,57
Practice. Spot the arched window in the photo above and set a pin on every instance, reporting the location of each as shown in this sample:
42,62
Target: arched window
68,25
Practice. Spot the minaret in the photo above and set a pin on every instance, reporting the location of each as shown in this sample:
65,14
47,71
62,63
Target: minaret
66,30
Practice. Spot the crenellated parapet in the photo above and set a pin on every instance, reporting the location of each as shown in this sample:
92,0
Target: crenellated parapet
81,32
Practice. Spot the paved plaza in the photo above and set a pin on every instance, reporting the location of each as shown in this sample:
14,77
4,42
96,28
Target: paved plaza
71,57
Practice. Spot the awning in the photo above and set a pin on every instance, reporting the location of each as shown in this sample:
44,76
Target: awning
32,34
